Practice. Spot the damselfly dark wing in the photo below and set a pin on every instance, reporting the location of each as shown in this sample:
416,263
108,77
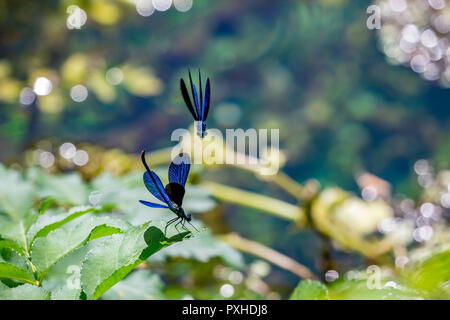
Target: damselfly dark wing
152,204
178,174
187,100
156,188
207,100
201,94
200,107
154,184
203,106
194,94
179,169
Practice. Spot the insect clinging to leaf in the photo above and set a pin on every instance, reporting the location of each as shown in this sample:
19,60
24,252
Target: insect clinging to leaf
200,112
173,193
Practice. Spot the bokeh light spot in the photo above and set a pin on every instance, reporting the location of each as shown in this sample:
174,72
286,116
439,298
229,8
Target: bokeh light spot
27,96
46,159
67,150
78,93
77,17
331,275
95,197
369,193
162,5
145,7
42,86
227,290
236,277
81,158
183,5
114,75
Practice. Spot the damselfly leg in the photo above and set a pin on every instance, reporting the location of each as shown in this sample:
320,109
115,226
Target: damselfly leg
176,225
169,223
183,226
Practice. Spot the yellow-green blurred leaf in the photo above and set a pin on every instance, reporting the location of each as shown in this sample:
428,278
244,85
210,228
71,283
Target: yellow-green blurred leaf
104,12
141,81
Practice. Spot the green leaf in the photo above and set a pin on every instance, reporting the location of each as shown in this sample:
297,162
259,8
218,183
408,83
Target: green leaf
432,274
11,256
14,231
66,293
16,194
64,188
109,262
45,204
310,290
24,292
45,225
46,251
140,284
63,278
102,231
360,290
201,247
9,271
8,244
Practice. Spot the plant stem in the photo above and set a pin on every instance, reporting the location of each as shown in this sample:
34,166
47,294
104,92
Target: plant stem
326,262
268,254
274,206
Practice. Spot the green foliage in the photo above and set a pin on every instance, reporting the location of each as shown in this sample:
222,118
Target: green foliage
432,276
122,193
310,290
118,255
51,249
359,290
65,189
427,279
23,292
103,246
9,271
138,285
201,248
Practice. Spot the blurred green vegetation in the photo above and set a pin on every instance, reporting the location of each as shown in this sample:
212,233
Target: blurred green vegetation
310,68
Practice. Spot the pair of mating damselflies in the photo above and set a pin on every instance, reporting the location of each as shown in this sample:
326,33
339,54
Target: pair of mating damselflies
173,193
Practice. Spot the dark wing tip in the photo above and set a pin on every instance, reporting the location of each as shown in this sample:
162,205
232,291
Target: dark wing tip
187,99
207,98
184,156
143,156
143,161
